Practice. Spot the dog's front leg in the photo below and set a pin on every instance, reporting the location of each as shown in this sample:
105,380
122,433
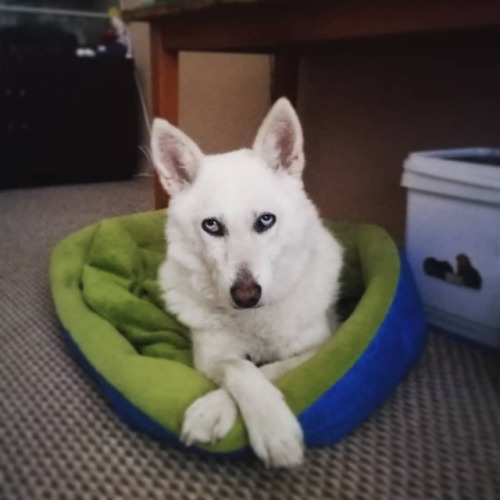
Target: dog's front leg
212,416
274,433
209,418
273,371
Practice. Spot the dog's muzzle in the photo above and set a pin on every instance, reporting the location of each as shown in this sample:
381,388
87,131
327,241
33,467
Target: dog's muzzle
245,292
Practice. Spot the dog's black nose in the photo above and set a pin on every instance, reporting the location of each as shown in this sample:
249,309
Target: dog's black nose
246,292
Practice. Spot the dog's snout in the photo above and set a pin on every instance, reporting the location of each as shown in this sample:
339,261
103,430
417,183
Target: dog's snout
246,292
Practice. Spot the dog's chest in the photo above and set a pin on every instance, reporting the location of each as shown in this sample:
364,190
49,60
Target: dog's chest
263,339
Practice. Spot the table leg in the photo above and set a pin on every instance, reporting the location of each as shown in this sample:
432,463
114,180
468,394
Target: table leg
165,92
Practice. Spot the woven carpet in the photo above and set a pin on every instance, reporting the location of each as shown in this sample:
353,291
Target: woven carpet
438,435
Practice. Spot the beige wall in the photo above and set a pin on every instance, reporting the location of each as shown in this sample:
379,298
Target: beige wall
223,98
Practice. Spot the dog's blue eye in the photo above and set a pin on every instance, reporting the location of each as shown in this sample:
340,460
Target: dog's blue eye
264,222
213,227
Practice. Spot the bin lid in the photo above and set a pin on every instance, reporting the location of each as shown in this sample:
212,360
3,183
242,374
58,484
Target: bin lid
471,166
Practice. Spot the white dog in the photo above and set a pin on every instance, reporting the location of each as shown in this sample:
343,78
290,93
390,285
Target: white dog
253,273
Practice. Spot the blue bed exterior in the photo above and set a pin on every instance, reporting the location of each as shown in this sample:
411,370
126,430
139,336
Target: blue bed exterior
396,347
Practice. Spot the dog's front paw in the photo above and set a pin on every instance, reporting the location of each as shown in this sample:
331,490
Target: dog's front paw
209,418
276,436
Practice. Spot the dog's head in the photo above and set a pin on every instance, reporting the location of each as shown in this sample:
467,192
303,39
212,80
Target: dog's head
238,222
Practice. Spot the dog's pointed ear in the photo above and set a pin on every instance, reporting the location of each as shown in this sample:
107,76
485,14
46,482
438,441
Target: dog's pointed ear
280,141
175,156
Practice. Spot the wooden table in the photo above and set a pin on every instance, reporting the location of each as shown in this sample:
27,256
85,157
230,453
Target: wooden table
287,29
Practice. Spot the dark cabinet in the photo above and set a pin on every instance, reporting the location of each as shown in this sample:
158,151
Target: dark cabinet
67,120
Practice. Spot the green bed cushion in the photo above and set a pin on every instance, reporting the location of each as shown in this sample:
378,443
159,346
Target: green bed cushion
107,297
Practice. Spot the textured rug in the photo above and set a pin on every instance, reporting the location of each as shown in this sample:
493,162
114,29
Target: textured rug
438,436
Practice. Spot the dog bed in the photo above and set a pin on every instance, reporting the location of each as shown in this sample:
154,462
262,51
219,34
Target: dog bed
103,281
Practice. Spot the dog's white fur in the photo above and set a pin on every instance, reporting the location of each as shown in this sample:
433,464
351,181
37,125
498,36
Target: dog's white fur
296,263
